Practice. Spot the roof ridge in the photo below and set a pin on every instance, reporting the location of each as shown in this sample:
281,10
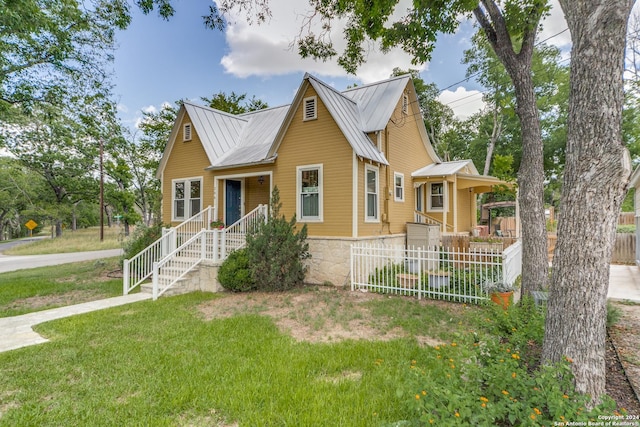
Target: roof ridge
215,110
402,76
331,88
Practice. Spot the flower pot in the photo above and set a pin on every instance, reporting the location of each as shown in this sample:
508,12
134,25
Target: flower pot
502,298
438,280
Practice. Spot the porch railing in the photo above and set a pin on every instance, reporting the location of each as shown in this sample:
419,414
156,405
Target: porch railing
422,218
139,268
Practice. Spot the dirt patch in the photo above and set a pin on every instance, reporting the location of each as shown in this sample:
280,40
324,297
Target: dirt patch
55,300
625,336
314,314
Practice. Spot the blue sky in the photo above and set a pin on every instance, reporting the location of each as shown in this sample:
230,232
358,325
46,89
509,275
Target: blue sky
161,61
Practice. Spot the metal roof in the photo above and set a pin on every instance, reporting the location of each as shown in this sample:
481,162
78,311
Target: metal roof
232,140
256,137
446,168
377,101
218,131
347,116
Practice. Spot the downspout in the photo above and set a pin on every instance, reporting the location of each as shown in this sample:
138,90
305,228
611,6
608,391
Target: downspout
385,214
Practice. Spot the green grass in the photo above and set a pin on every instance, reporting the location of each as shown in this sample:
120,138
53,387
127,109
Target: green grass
87,239
42,288
159,363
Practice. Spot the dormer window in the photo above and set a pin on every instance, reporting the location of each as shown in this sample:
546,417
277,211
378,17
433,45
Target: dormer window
405,103
186,132
310,106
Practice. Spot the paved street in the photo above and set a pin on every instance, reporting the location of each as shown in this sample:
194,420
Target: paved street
20,262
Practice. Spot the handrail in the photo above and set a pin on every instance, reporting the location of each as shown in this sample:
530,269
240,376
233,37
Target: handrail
140,267
431,220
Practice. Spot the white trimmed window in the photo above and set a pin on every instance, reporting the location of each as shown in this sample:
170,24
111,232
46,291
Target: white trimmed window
186,132
187,198
309,193
371,208
436,199
398,185
310,106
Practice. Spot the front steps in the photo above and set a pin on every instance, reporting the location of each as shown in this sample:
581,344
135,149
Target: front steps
204,277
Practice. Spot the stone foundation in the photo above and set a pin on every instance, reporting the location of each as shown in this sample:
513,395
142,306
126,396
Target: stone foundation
330,261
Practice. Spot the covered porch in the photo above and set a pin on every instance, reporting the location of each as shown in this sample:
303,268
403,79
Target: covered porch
447,193
236,194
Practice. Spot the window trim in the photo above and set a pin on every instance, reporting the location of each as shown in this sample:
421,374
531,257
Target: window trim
305,116
395,187
299,170
187,200
368,218
430,195
187,132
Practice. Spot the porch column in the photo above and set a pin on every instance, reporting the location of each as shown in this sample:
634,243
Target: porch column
455,203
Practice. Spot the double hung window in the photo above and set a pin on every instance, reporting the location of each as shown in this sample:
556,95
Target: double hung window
309,194
187,198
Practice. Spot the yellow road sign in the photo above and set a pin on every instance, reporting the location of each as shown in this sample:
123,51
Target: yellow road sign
31,224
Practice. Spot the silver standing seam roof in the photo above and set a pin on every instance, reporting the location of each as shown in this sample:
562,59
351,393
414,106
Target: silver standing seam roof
235,140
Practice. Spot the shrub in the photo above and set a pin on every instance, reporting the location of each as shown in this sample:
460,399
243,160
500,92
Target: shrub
489,379
142,237
235,274
276,251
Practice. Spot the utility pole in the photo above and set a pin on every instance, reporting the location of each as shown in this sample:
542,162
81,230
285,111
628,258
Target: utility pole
101,193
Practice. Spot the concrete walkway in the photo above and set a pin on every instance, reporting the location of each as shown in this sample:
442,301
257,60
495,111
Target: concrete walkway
17,332
624,282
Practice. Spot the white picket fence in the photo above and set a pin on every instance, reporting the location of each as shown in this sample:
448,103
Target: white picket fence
439,273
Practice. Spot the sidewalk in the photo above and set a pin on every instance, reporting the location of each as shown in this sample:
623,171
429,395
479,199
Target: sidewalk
17,332
624,282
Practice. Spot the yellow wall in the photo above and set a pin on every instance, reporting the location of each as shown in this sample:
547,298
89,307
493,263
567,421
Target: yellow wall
405,152
186,160
310,142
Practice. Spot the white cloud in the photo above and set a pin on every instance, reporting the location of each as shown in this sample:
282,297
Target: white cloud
553,25
266,49
463,102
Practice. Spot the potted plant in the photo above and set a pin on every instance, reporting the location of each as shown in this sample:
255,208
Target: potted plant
500,293
216,225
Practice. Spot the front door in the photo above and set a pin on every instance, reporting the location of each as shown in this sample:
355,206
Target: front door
233,201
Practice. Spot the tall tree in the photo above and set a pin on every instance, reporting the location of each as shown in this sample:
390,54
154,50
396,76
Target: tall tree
596,173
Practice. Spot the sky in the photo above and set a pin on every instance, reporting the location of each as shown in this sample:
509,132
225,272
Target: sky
160,61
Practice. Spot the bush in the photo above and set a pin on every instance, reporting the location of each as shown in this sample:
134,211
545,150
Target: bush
276,251
490,380
142,237
235,274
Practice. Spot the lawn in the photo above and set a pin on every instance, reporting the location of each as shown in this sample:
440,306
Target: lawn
163,364
318,356
82,240
42,288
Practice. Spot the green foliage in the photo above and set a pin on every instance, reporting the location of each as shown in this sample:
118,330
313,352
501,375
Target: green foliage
613,314
494,380
386,276
276,250
142,237
235,272
626,228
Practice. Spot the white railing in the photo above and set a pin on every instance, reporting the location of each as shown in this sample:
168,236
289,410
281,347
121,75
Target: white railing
512,262
236,233
438,273
139,268
212,245
422,218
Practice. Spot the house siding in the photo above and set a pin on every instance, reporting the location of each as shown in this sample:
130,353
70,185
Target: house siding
186,160
403,147
317,142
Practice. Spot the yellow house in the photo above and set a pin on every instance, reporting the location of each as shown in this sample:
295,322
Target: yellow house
351,165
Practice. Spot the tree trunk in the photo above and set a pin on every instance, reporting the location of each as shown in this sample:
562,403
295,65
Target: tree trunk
531,172
495,134
535,265
597,170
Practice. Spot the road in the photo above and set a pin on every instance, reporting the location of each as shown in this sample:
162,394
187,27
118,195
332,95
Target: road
21,262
